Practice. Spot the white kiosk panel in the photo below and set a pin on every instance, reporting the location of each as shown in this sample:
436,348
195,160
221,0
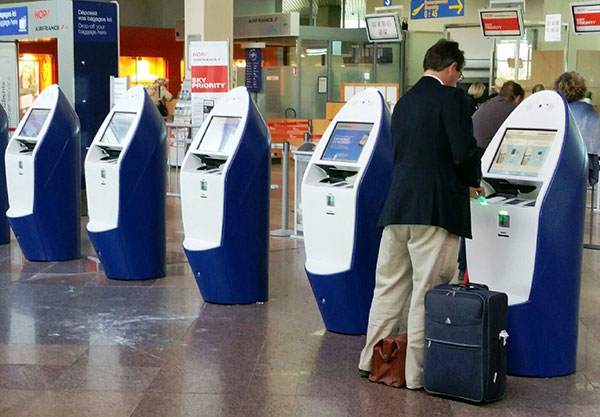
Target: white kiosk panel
21,151
346,147
522,155
103,161
205,168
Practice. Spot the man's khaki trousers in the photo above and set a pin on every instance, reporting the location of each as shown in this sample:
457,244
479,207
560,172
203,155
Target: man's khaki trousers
412,259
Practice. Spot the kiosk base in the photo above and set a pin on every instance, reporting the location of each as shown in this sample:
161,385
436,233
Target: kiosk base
529,353
344,307
116,258
217,272
36,248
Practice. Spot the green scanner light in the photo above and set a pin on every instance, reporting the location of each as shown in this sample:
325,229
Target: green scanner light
482,201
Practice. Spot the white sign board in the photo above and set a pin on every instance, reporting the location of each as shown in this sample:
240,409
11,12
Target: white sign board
118,88
9,83
266,25
553,28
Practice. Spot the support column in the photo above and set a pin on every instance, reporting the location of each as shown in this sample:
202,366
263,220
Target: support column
208,20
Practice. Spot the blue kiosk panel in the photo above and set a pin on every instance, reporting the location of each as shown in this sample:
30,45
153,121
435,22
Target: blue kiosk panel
43,179
4,224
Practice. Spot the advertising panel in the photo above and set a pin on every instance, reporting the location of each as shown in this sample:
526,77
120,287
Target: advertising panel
501,22
210,76
586,18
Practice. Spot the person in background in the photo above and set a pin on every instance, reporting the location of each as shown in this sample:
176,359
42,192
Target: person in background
475,92
537,88
159,94
491,114
436,161
573,87
486,122
498,83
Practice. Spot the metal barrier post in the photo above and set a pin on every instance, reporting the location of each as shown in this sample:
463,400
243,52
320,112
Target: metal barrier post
285,182
591,244
176,148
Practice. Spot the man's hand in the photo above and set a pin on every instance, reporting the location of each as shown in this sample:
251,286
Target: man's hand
475,193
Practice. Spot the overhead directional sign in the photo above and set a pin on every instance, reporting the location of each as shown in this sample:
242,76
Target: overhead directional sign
432,9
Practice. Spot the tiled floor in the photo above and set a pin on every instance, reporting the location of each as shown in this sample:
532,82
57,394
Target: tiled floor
73,343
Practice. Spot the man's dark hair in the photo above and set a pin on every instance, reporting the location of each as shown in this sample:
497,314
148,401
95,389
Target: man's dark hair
442,55
511,90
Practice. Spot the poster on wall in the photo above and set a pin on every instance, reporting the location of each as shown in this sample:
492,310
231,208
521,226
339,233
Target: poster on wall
210,76
9,86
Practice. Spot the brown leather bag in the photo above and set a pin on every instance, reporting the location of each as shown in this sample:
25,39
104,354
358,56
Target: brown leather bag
389,357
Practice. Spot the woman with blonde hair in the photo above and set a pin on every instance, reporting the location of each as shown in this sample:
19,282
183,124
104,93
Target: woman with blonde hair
573,87
475,92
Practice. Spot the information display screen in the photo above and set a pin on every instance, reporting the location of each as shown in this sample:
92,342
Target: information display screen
219,134
586,17
118,127
522,152
347,142
34,123
383,28
501,22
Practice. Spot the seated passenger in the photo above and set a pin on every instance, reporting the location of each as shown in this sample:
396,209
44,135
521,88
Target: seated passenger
573,87
491,114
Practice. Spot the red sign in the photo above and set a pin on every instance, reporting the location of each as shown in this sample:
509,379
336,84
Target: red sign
586,18
500,23
41,14
210,79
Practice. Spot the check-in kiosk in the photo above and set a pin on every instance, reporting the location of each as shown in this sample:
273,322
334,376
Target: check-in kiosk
225,185
344,188
42,162
125,179
4,224
528,233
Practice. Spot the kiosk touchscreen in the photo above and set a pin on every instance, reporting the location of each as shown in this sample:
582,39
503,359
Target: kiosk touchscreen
43,178
225,186
528,232
125,180
343,191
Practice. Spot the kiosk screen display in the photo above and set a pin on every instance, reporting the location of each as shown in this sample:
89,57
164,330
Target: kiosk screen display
347,142
34,123
218,136
522,152
117,128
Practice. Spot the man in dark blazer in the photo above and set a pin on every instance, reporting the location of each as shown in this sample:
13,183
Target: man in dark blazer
436,161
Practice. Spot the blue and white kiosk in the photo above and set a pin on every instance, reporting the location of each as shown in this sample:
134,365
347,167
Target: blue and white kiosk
43,168
528,234
4,224
343,192
225,186
125,180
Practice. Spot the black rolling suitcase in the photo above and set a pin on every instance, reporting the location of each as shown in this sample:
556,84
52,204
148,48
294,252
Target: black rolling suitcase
465,342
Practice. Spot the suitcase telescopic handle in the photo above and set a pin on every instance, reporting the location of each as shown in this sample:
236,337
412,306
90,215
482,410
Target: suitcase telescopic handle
503,336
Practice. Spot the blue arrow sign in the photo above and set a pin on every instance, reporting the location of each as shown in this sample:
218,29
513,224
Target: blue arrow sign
387,3
432,9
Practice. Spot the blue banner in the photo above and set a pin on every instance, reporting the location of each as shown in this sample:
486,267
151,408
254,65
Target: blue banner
433,9
13,21
253,69
95,22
